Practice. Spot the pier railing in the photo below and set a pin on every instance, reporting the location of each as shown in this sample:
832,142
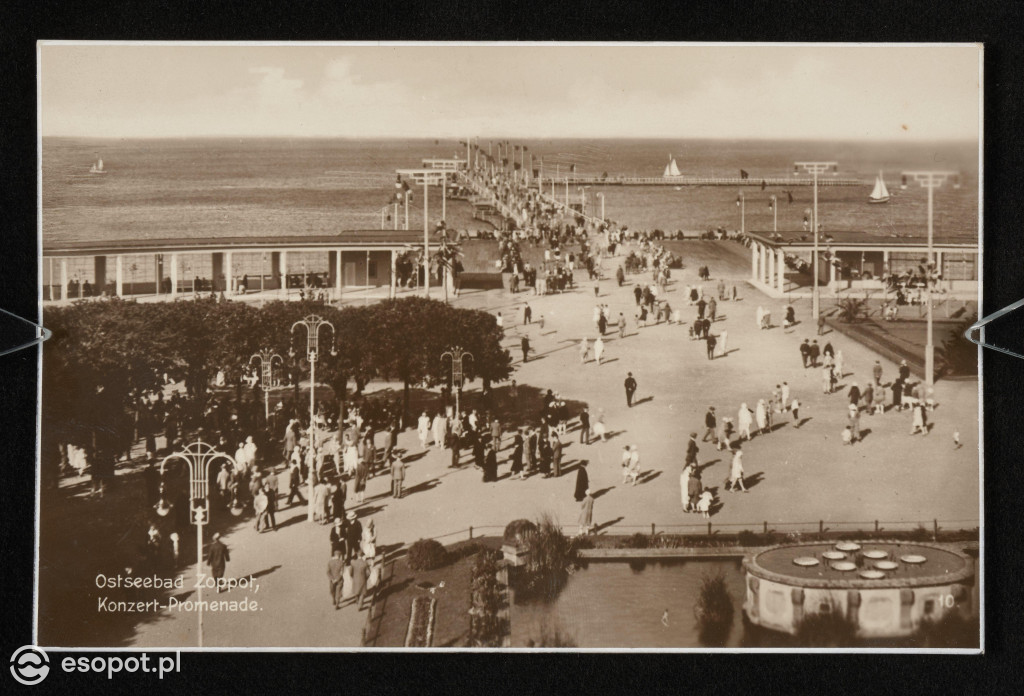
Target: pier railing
701,181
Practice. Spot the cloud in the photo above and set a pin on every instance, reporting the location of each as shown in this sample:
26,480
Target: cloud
274,88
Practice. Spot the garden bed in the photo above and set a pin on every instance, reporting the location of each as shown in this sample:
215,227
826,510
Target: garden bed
452,602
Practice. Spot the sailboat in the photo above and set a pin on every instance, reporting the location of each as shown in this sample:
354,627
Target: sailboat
880,194
671,169
97,168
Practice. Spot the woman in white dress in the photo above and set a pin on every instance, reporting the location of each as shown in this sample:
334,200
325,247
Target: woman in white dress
347,583
743,422
760,316
839,364
423,429
762,418
368,544
598,349
736,471
350,456
584,350
440,430
599,427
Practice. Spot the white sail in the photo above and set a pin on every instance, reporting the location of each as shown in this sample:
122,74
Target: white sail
880,194
674,169
99,165
97,168
668,170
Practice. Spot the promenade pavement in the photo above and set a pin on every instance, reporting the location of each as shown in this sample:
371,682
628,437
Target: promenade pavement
801,475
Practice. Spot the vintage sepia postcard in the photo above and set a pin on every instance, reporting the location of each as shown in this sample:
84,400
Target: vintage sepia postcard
509,346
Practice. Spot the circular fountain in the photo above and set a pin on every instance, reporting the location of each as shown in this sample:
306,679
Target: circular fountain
885,588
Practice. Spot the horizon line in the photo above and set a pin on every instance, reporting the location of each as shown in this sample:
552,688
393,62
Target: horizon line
843,139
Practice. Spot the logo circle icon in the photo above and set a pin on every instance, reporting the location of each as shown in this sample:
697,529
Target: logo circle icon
29,665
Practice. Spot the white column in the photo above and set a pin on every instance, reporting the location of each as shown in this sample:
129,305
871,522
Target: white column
762,262
832,272
284,272
229,272
394,287
780,267
174,275
770,275
337,272
119,275
753,259
64,279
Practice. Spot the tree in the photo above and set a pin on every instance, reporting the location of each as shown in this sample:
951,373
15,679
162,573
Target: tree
851,309
957,355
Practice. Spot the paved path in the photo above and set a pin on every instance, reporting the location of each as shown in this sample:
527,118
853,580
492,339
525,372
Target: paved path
806,475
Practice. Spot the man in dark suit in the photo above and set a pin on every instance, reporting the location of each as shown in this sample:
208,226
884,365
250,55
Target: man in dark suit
585,425
710,426
353,535
217,557
630,385
338,543
335,567
692,449
805,352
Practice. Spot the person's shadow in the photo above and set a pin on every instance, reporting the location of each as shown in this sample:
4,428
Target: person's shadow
648,476
752,480
597,494
605,525
643,400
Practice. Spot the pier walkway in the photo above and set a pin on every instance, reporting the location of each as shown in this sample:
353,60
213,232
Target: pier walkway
701,181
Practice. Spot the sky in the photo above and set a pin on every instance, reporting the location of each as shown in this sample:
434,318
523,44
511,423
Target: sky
848,92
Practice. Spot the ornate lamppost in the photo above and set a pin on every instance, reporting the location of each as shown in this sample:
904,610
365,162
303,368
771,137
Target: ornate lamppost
457,355
930,180
815,168
741,203
266,357
198,457
313,323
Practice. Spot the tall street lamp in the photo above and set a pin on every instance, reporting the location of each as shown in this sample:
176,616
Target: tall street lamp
266,358
773,205
313,324
601,196
741,203
815,168
930,180
457,355
198,457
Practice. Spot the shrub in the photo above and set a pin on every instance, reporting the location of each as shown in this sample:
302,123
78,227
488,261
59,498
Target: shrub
714,611
427,554
486,627
851,309
550,554
553,636
826,629
957,355
951,631
748,538
518,531
638,541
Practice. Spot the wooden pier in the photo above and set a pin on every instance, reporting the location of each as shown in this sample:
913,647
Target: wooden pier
698,181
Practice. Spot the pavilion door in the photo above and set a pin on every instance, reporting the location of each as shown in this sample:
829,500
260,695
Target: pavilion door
349,273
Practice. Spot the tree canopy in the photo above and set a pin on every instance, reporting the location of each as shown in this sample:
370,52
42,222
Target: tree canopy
120,349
